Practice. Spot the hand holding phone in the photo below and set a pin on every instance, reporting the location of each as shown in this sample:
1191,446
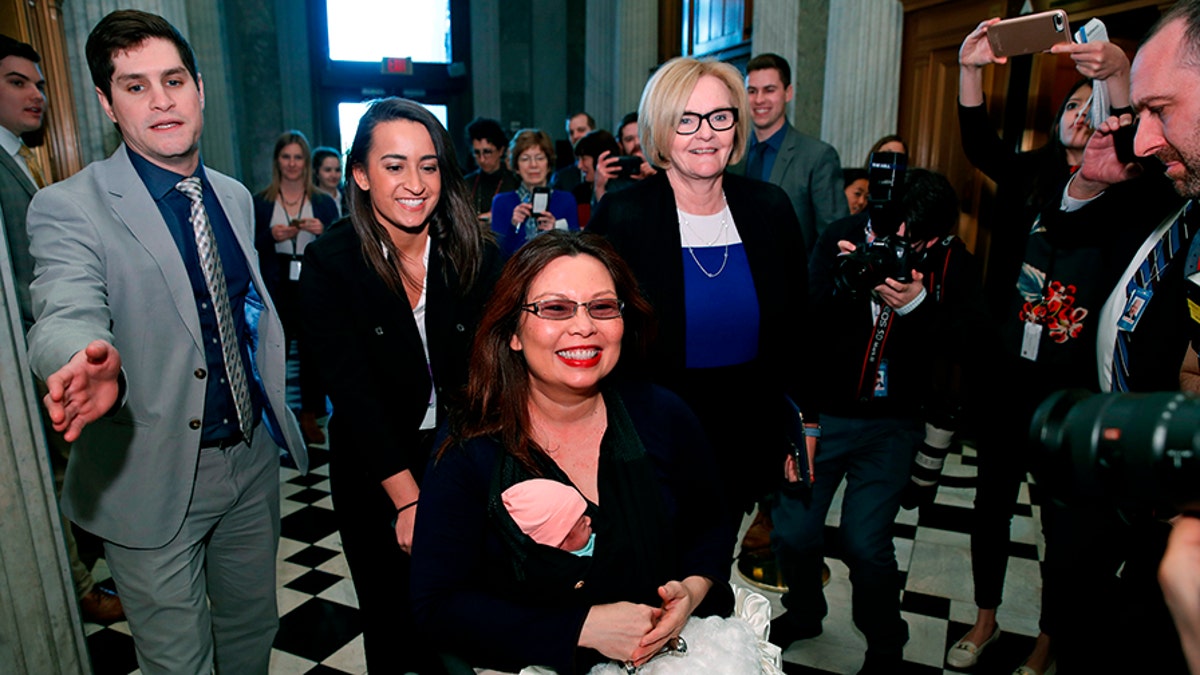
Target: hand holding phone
1029,34
541,200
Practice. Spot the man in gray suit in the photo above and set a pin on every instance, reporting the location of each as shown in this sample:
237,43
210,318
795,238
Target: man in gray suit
164,361
22,108
807,169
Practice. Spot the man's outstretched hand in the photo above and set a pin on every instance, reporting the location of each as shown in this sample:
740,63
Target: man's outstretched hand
84,389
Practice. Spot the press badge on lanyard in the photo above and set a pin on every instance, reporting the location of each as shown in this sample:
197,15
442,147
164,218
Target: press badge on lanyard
881,379
294,269
1031,340
1135,306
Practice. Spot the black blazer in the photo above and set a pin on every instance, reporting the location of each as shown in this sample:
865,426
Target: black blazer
368,353
643,225
1122,218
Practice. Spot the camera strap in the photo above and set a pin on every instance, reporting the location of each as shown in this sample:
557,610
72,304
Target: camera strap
937,280
870,368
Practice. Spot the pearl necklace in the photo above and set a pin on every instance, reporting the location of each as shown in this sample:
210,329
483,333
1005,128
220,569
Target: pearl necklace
724,230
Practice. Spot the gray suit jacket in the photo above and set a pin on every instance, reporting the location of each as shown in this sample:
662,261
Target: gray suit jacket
16,190
107,268
810,172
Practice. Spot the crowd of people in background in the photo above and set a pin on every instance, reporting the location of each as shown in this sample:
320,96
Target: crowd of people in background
557,387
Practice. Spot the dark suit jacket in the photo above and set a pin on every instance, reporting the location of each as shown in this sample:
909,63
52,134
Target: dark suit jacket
810,172
368,352
642,223
16,190
1129,213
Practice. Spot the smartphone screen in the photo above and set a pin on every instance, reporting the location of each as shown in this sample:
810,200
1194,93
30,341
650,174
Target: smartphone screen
541,199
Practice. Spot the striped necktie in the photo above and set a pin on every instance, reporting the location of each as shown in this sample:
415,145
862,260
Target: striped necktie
31,161
1147,275
214,277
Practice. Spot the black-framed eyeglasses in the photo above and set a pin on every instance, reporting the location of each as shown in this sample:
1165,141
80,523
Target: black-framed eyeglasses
721,119
560,310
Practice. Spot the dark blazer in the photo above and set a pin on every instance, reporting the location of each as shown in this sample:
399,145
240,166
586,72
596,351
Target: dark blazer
368,352
465,594
1125,215
16,191
642,223
810,173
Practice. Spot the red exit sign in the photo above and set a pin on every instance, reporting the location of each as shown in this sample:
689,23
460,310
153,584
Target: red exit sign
395,66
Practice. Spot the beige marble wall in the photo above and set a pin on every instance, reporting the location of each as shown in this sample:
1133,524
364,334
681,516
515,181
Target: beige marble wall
796,31
622,37
40,630
862,75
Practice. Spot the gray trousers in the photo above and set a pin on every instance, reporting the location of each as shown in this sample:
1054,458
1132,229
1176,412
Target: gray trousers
208,596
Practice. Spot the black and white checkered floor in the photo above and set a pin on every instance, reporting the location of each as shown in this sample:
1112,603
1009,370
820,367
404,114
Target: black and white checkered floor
320,632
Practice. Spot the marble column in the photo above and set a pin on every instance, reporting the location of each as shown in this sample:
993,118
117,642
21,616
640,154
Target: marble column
636,53
797,32
97,135
600,64
548,61
40,629
205,32
622,38
862,75
485,57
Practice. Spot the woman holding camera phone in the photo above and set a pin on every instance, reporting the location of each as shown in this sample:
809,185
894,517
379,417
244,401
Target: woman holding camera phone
289,215
514,218
1027,182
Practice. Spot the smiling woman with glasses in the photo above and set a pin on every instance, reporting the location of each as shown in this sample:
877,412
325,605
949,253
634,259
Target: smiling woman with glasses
540,403
519,216
722,259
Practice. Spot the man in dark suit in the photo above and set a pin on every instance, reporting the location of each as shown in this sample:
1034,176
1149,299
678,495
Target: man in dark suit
22,106
164,361
807,169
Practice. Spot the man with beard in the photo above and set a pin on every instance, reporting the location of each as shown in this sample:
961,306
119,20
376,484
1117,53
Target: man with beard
1110,594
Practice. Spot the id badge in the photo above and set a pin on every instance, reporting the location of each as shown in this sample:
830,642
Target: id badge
881,379
294,270
1031,340
1135,306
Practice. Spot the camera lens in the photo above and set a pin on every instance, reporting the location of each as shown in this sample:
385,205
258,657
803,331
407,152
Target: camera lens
1140,446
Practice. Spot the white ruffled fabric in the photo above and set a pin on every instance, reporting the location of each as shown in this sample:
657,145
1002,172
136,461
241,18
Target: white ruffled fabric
715,645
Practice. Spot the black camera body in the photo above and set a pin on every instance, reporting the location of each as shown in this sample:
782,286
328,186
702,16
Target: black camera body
1139,447
889,255
628,166
867,266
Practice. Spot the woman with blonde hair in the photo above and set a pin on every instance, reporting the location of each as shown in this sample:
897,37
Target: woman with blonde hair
289,215
721,259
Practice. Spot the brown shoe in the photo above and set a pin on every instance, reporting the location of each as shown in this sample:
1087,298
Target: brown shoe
311,430
758,535
101,605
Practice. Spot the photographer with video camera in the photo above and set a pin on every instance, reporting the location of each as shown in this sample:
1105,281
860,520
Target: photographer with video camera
893,292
